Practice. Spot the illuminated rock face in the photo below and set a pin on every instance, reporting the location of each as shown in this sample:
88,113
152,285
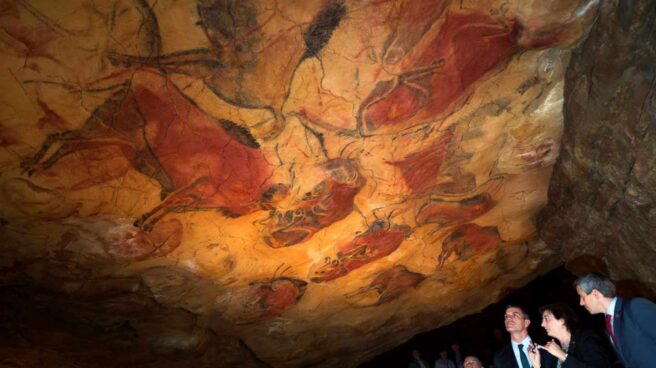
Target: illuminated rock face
292,182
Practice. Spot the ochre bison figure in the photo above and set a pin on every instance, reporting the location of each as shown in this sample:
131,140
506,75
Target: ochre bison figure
390,284
271,297
198,161
380,240
328,202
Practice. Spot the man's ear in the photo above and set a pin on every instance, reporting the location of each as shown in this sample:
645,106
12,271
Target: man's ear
528,322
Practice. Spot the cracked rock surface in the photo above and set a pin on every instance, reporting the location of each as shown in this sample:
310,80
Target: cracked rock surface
602,199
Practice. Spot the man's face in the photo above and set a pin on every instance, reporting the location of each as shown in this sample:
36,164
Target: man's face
590,301
514,320
472,363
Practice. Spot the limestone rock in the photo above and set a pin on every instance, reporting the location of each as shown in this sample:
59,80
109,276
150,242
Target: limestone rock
602,198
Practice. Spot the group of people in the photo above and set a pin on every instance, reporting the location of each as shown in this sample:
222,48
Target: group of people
447,359
630,329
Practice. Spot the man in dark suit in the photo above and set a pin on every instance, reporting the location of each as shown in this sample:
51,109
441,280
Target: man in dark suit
456,355
630,323
515,354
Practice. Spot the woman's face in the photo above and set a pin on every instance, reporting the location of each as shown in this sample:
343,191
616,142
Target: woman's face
552,325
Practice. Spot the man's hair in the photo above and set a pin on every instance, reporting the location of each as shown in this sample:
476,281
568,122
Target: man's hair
526,316
564,312
592,281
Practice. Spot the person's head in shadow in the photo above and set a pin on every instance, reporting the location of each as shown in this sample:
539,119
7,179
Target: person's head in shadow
472,362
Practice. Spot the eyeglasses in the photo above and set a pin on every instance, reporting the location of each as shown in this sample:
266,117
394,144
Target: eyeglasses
514,315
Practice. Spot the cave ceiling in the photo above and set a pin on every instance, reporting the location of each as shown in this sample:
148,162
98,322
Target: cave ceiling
271,183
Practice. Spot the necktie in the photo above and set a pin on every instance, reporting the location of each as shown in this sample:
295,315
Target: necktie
609,328
522,357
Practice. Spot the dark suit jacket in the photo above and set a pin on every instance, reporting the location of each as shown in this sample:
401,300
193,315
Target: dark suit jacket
586,350
415,364
505,358
634,324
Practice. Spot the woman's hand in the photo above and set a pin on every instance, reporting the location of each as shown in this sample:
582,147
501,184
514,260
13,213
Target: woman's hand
554,349
534,355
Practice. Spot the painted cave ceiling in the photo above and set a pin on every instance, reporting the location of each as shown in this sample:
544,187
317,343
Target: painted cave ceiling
282,183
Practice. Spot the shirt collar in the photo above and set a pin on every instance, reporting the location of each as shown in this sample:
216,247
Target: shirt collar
526,342
611,307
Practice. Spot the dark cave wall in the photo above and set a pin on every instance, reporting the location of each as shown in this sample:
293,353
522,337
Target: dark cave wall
602,197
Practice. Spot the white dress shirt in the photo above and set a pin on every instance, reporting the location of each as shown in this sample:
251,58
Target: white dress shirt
515,345
611,312
444,364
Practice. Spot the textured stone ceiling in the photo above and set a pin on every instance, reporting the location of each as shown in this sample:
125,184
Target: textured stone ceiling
283,183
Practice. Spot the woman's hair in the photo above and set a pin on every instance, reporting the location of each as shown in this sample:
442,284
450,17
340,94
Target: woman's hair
564,312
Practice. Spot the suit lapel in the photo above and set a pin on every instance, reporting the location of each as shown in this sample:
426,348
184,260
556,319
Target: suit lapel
572,343
547,360
511,356
618,324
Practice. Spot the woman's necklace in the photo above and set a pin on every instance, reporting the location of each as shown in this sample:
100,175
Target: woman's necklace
565,348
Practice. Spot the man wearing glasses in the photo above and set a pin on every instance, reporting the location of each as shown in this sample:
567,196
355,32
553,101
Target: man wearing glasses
515,354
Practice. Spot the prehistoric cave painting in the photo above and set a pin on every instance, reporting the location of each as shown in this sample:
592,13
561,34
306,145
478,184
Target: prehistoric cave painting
468,46
516,156
449,210
36,201
199,162
238,60
254,50
447,213
26,32
454,179
380,240
535,154
468,240
329,201
270,298
415,19
390,284
420,169
322,26
117,241
437,79
7,138
130,243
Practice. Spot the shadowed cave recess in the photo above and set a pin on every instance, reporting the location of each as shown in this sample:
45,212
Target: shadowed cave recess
319,183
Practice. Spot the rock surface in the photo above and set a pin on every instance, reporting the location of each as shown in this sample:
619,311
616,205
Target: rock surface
275,183
602,198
